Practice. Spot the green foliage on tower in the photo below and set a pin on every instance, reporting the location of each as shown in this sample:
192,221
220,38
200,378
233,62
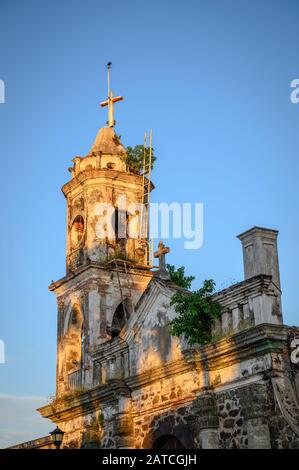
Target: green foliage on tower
197,310
178,276
134,158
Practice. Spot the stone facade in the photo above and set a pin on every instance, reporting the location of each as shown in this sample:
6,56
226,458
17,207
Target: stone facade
122,380
219,396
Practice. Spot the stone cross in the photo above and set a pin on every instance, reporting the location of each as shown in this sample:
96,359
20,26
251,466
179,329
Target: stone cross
160,253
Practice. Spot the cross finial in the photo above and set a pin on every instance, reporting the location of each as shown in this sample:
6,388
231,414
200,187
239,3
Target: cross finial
111,100
160,253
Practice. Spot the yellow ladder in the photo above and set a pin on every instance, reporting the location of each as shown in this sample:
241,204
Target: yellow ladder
146,195
128,286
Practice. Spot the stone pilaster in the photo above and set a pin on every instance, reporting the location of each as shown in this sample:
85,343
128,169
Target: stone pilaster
123,429
255,406
207,421
123,424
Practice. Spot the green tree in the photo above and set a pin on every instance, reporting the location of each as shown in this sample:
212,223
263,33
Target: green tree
134,158
197,312
178,276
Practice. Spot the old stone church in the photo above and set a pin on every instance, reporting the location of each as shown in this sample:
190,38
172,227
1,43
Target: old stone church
122,380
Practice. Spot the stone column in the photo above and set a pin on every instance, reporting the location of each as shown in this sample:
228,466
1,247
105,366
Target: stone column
255,406
118,374
236,317
124,424
226,320
104,372
208,422
126,364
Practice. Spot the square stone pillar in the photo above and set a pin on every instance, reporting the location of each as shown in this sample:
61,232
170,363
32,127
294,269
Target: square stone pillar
260,255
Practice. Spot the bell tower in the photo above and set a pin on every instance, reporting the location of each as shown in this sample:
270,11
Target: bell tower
104,205
107,253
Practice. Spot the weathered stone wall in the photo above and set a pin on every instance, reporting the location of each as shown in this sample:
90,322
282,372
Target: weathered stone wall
232,431
162,408
82,431
245,417
168,399
141,410
282,436
96,299
93,196
249,303
150,384
152,344
240,410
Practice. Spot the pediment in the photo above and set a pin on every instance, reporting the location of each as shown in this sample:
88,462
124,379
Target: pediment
147,332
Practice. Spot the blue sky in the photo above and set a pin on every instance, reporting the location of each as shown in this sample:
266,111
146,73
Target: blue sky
211,77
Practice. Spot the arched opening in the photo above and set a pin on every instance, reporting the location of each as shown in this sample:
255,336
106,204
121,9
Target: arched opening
168,441
168,435
75,341
118,321
77,230
119,222
75,320
120,317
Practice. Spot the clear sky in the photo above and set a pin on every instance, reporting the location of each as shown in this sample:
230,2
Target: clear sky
211,77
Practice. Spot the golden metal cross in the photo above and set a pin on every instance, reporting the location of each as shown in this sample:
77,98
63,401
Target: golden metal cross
110,101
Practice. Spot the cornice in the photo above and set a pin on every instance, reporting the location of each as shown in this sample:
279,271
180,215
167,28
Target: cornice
85,402
102,174
136,270
260,340
254,342
250,287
